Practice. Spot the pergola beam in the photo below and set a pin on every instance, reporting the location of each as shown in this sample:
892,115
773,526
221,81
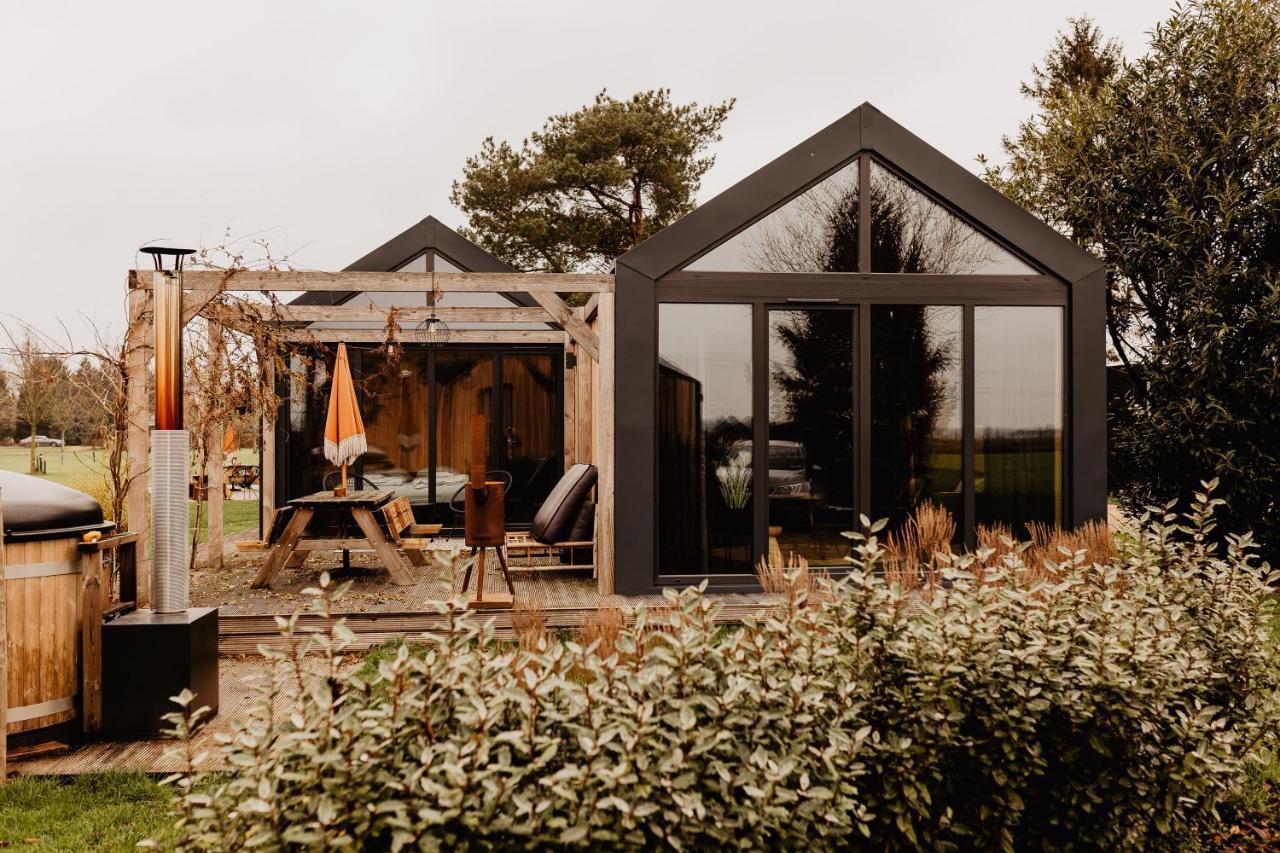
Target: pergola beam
369,313
214,281
570,322
457,336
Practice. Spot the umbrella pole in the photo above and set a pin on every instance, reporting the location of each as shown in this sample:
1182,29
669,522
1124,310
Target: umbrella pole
342,483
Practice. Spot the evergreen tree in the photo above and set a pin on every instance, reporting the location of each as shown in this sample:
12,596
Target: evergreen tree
1168,168
590,184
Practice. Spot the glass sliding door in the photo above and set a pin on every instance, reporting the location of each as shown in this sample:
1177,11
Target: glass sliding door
916,437
530,433
463,387
705,498
811,434
394,407
1018,415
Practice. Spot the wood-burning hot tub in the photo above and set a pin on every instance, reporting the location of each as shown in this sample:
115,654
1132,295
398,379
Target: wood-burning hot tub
42,585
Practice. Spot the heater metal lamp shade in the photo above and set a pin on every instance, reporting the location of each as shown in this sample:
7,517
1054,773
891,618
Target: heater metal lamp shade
159,254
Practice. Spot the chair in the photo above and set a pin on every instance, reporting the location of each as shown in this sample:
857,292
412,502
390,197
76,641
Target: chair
243,477
275,528
565,522
412,538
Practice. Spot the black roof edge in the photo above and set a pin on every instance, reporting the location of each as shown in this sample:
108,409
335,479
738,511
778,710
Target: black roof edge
865,129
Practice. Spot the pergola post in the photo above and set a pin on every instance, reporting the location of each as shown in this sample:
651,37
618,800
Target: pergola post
267,459
214,468
603,421
138,445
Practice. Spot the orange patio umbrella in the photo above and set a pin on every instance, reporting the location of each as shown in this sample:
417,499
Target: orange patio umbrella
343,429
229,443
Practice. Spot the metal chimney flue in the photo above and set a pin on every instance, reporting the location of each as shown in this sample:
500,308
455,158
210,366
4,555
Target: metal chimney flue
170,442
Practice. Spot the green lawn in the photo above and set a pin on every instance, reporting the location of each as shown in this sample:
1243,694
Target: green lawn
109,811
74,467
236,516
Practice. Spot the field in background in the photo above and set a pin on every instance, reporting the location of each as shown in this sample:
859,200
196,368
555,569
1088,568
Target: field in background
75,467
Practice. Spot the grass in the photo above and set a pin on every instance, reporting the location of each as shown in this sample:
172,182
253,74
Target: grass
236,516
73,466
107,811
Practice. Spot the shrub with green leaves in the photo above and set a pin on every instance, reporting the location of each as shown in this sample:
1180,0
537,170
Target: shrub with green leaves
1115,708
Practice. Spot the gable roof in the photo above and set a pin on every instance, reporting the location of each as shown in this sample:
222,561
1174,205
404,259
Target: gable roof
864,130
429,235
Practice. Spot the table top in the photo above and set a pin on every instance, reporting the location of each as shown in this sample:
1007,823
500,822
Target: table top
365,498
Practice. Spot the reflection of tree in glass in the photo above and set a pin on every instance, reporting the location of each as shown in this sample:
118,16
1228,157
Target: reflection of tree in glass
817,231
910,363
814,403
911,233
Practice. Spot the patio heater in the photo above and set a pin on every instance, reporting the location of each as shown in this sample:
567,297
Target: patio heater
151,655
170,442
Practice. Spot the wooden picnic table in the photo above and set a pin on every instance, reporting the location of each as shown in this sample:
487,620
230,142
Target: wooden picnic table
294,545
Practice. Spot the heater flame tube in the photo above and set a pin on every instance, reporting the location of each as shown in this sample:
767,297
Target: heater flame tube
168,325
170,457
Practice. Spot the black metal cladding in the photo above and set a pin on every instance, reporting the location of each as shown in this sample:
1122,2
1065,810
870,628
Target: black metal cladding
654,271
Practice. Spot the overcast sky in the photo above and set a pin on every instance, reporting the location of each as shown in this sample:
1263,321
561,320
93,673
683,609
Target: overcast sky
331,127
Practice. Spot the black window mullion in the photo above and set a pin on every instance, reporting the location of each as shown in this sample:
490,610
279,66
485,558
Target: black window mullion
967,428
760,428
432,459
862,390
864,213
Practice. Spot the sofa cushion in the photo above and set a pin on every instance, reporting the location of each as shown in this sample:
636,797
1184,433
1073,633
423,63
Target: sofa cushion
555,518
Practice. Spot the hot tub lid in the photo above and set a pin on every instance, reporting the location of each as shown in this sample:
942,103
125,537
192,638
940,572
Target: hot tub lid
35,508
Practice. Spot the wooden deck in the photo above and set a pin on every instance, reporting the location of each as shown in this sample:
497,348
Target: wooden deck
236,695
378,610
242,634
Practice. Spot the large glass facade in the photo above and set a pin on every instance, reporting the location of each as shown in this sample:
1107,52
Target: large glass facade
705,495
811,433
532,422
463,387
433,392
817,231
1018,415
308,384
916,436
394,408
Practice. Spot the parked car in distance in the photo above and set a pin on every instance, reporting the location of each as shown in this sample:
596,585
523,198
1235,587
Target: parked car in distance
788,468
41,441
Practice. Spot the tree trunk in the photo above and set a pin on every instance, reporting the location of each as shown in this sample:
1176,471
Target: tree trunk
32,449
637,215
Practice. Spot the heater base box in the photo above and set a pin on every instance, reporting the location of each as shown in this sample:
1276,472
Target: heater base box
148,657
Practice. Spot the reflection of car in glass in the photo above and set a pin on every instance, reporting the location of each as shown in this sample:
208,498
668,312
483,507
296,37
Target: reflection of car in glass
41,441
788,468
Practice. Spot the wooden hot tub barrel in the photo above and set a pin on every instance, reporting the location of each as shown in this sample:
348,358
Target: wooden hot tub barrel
43,526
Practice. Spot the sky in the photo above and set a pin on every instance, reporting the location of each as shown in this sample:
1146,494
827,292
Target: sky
328,127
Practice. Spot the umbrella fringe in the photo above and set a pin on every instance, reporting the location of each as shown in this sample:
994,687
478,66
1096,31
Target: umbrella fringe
346,451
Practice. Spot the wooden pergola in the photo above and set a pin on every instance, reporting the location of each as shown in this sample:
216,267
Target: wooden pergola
586,331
